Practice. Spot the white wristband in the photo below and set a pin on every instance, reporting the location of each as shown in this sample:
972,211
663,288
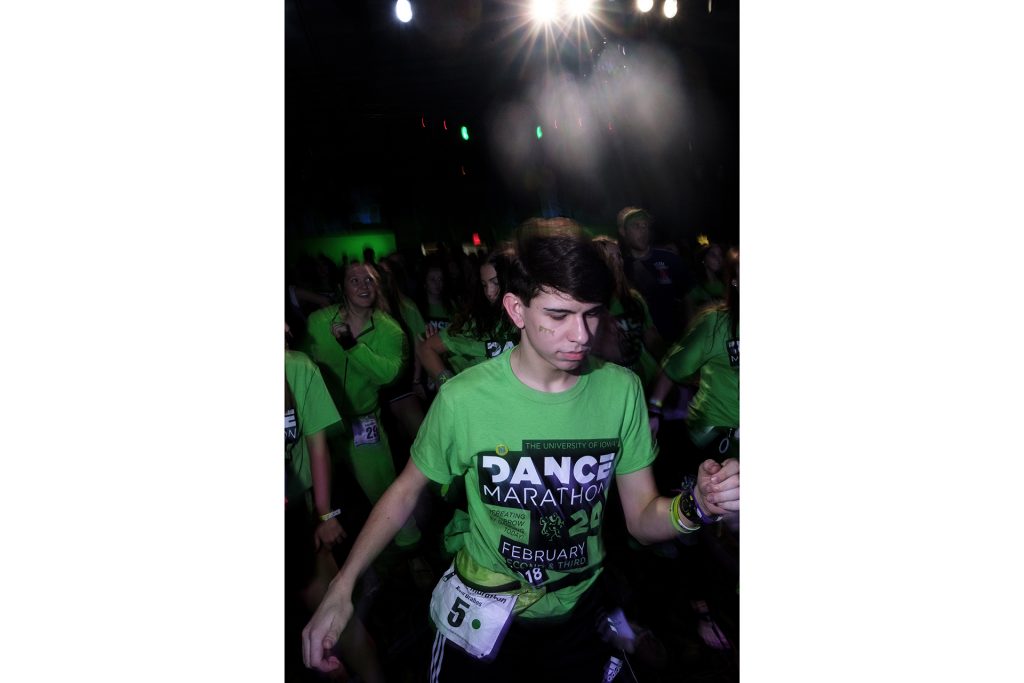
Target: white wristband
330,515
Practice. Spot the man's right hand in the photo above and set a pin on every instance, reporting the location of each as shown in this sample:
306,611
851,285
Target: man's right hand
322,632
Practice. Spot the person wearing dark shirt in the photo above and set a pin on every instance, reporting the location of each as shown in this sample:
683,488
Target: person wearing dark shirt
659,275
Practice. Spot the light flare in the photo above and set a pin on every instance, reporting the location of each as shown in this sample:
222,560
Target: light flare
403,10
544,11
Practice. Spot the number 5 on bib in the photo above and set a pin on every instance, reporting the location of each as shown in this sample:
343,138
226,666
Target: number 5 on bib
474,620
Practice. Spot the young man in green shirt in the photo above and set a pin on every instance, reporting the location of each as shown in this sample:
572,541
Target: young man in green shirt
540,434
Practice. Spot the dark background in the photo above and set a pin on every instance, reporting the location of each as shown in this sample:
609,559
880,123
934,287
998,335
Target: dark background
366,98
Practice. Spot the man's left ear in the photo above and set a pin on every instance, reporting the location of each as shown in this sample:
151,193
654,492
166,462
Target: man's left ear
514,307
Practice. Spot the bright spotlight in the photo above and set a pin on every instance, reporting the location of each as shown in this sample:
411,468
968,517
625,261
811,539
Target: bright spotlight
403,10
579,8
644,5
544,11
670,8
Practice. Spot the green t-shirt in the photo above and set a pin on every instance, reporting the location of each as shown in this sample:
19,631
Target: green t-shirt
354,377
314,411
537,467
465,351
708,347
438,316
702,294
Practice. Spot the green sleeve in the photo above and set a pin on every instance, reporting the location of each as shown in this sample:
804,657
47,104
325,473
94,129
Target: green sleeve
413,318
381,359
686,356
317,331
316,407
463,345
638,451
432,449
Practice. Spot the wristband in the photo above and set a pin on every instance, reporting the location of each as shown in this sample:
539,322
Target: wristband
687,503
677,518
654,407
705,518
443,377
330,515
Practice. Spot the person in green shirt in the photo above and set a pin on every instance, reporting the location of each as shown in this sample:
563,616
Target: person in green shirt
434,300
710,285
309,411
312,526
361,349
541,435
480,331
710,351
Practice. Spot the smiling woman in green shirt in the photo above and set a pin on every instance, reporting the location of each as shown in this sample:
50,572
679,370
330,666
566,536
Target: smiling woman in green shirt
360,348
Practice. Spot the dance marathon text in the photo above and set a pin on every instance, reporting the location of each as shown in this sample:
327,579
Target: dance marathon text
547,501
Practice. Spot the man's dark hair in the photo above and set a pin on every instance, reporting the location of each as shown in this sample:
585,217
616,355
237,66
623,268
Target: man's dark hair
555,254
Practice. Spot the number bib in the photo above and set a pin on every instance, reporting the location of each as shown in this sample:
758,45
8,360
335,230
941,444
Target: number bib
365,431
474,620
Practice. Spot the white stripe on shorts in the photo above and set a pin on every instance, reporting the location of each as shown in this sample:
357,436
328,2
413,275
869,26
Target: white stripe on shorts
436,657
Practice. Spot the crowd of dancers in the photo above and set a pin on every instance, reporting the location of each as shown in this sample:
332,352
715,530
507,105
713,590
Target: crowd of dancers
518,464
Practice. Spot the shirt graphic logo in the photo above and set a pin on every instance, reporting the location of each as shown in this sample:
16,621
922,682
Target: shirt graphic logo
663,276
551,527
733,345
494,348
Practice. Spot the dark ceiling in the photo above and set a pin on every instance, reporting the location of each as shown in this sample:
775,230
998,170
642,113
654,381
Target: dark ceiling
367,99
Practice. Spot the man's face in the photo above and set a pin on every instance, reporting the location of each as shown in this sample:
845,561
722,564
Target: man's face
636,233
556,327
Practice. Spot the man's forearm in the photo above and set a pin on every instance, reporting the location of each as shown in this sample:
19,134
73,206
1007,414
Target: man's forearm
654,525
